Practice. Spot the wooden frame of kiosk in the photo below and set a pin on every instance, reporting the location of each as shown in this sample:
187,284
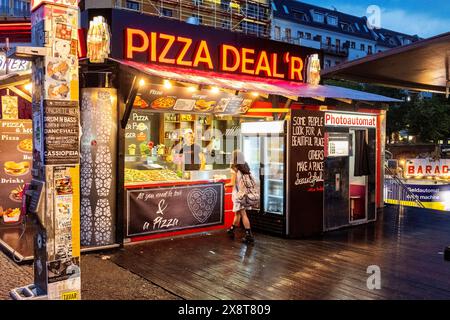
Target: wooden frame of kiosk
160,87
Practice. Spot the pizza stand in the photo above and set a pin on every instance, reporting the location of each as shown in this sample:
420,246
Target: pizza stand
128,186
159,77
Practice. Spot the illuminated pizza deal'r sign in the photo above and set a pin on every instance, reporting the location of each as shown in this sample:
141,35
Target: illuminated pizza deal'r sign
166,48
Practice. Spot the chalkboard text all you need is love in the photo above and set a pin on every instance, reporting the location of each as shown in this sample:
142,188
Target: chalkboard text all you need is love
307,150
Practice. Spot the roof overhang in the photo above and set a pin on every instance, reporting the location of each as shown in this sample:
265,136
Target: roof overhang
14,79
251,84
421,66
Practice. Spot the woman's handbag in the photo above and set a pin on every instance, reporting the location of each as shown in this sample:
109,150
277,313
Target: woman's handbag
248,193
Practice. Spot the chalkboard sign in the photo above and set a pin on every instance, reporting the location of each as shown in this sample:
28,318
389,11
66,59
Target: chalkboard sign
165,209
61,128
306,163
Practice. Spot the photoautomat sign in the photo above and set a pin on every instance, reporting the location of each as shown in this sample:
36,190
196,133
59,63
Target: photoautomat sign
350,120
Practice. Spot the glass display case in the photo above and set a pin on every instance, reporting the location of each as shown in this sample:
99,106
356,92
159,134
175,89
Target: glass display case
264,150
273,174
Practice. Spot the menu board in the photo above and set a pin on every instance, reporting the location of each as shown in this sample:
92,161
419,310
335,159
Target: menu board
306,163
138,133
166,209
15,162
61,131
191,100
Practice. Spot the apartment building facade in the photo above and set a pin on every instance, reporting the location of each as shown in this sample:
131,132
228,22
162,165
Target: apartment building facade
248,16
341,36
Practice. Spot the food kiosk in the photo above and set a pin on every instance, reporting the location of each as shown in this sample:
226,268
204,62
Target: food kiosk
160,87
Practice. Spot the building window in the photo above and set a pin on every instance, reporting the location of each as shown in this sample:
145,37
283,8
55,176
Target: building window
286,10
226,24
167,12
328,63
353,45
369,49
225,4
21,8
363,47
277,33
287,34
252,10
274,7
318,38
332,20
300,16
133,5
199,18
338,43
328,41
308,36
318,17
252,28
300,34
346,27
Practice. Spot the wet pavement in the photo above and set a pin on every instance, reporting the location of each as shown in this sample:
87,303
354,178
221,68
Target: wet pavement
101,280
401,253
406,245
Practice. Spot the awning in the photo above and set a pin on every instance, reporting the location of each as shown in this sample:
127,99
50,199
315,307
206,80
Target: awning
421,66
252,84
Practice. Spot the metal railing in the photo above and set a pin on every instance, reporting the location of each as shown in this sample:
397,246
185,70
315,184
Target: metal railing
396,192
335,50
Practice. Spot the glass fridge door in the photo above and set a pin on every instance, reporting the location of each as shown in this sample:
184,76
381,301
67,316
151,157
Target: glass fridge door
273,174
252,150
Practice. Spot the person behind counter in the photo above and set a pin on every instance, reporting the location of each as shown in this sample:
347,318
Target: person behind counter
239,168
193,156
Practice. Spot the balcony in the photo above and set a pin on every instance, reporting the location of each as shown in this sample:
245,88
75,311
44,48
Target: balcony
301,42
334,50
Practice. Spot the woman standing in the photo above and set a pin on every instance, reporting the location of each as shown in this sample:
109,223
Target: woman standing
239,168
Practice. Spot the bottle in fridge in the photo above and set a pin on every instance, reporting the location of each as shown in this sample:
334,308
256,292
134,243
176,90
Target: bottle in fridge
264,149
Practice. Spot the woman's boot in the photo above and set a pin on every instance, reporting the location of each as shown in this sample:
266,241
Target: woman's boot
231,231
248,238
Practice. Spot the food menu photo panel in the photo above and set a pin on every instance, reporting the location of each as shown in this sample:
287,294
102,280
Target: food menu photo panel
15,161
192,98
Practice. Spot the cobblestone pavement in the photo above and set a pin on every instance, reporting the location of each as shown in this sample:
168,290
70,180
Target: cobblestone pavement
101,279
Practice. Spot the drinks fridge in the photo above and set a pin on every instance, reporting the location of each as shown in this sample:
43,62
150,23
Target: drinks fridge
264,144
